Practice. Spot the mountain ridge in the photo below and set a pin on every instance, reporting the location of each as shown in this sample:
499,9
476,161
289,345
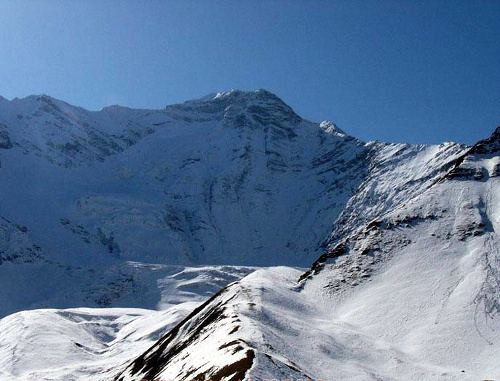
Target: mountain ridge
195,183
385,303
160,209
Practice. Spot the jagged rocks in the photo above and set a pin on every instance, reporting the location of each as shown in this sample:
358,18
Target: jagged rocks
16,245
5,142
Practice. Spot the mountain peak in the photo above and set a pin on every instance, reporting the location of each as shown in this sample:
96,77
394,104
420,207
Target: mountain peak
496,132
259,104
490,145
260,94
115,108
236,96
332,128
44,101
41,98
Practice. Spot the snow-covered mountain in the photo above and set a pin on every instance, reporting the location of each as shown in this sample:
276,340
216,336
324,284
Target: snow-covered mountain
414,294
199,182
233,178
159,209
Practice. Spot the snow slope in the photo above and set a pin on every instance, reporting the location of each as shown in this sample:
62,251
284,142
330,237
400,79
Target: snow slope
414,294
80,343
91,344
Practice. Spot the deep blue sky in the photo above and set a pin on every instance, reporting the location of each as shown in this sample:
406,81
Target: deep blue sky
416,71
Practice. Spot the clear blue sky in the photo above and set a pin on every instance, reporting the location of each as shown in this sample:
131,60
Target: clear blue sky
416,71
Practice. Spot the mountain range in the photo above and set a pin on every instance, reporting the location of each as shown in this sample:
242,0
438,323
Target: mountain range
227,238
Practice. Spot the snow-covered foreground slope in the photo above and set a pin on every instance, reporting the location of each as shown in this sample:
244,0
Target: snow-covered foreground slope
264,328
81,343
91,344
414,294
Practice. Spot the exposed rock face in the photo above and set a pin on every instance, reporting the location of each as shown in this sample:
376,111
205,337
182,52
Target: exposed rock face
487,146
214,321
471,165
5,142
16,245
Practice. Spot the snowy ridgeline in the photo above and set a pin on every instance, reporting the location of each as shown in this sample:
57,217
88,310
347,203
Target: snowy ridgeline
122,208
